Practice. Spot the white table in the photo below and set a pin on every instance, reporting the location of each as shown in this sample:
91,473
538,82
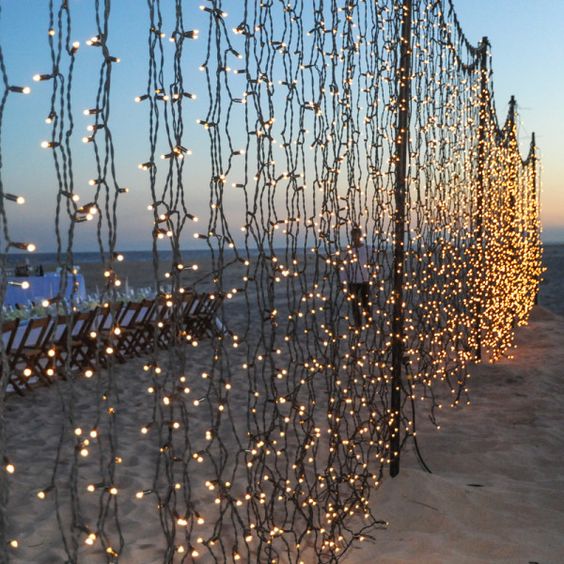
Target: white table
43,287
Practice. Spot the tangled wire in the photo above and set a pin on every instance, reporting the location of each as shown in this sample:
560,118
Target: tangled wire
322,118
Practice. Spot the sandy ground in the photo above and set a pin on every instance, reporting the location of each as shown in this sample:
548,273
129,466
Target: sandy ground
494,495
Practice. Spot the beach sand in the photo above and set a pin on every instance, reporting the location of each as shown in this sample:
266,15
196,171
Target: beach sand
494,495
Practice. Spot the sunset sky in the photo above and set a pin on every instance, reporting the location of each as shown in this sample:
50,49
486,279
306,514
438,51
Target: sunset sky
528,61
528,58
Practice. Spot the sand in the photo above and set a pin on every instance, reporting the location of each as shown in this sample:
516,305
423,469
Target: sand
494,495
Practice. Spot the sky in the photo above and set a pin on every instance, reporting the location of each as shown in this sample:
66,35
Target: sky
528,62
527,42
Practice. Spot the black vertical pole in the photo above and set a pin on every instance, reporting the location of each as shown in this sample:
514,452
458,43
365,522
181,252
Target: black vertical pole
482,129
534,198
402,148
512,104
513,138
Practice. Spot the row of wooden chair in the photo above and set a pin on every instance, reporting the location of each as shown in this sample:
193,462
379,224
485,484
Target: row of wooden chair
39,350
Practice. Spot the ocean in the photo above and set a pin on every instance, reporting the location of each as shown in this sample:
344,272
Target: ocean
80,258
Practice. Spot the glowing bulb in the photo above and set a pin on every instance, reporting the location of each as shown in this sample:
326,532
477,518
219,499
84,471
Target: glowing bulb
20,89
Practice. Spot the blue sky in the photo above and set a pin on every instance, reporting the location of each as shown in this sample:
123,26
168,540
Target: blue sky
528,59
527,39
23,32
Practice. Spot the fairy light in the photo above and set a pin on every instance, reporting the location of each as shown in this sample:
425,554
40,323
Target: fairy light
23,285
42,77
20,89
318,430
20,200
49,144
29,247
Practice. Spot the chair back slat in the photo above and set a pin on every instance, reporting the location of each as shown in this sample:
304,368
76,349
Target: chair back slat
37,332
9,332
130,315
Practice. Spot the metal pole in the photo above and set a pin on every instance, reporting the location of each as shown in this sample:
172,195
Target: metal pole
534,197
402,149
482,126
514,172
512,104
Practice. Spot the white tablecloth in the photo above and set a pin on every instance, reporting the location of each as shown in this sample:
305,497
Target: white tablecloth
43,287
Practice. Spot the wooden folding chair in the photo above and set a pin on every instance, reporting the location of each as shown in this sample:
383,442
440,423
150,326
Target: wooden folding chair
139,336
126,330
165,310
99,337
201,317
9,332
111,328
172,326
157,330
70,342
31,350
80,351
185,304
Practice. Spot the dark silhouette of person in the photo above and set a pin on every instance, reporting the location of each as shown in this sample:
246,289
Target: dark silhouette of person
358,278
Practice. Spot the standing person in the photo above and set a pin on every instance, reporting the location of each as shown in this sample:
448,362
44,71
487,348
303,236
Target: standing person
358,278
